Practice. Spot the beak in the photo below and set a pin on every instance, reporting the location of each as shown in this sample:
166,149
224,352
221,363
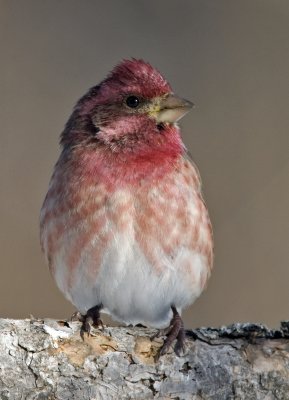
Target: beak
172,108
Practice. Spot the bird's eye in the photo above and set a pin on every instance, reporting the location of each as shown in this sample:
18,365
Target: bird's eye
132,101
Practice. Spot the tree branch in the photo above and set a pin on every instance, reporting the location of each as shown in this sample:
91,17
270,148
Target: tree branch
47,359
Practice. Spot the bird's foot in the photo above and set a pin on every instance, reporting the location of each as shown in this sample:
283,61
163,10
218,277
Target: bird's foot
174,331
92,318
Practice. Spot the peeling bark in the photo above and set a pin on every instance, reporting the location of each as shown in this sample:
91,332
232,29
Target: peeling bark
47,359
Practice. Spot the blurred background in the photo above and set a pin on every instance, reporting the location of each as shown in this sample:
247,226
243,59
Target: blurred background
231,59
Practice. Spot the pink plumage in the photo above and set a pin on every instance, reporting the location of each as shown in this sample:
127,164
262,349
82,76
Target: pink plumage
123,226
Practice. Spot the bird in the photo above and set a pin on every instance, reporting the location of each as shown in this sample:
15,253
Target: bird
124,227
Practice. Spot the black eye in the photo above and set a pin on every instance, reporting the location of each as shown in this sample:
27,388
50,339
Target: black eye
132,101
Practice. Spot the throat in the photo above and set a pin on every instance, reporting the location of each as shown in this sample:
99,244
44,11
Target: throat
116,167
148,168
133,169
121,169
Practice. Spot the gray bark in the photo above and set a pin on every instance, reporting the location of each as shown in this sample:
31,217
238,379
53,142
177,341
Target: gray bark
47,359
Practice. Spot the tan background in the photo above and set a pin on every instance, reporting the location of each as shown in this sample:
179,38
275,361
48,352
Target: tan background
231,58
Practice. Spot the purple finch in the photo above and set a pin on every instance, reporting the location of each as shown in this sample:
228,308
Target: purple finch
123,226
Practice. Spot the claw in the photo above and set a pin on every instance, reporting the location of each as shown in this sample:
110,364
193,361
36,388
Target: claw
77,316
161,333
180,345
174,331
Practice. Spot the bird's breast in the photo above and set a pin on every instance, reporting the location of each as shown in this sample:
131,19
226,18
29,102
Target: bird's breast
90,229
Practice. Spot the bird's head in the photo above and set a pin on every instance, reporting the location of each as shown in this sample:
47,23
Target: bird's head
132,110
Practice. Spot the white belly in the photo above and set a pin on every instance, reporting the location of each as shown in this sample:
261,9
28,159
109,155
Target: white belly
130,289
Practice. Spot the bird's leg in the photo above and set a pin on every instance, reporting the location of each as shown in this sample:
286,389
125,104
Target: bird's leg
92,318
175,331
